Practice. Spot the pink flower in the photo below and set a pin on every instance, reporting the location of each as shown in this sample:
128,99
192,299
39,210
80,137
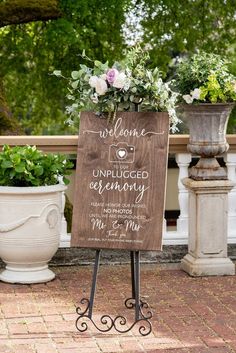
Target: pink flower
111,75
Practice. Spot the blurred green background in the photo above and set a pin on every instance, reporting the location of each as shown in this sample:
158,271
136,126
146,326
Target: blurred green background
37,37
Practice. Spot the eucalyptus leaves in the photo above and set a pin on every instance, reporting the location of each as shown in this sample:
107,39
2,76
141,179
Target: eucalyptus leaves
205,77
124,86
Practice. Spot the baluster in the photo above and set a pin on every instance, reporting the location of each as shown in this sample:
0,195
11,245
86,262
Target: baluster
164,227
230,160
64,237
183,160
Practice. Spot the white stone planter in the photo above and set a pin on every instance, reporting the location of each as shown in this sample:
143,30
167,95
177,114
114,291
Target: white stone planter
30,221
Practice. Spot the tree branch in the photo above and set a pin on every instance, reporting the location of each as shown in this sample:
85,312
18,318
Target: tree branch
24,11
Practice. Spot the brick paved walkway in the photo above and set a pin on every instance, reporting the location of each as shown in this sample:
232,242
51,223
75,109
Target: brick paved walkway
191,315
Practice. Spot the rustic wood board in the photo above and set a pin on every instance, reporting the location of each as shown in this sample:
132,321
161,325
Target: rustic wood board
120,181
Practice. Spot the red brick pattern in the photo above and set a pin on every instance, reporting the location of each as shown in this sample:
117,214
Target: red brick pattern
191,315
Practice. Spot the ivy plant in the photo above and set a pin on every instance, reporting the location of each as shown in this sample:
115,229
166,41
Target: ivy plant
28,166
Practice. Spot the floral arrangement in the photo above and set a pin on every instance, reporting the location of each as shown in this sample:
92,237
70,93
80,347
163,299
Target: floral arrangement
205,77
124,86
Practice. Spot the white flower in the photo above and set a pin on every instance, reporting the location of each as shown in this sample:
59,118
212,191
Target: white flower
196,93
188,99
101,86
93,81
120,80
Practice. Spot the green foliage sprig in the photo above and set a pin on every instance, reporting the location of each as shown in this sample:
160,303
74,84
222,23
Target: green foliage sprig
27,166
205,77
124,86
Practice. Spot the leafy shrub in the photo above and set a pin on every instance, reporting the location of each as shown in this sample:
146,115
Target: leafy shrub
205,77
27,166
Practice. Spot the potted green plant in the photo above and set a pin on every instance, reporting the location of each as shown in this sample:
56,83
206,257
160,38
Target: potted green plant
208,90
30,211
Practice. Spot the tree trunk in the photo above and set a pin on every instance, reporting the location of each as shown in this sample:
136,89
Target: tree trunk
24,11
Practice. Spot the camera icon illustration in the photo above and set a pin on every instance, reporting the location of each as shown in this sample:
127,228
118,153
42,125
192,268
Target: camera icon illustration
121,152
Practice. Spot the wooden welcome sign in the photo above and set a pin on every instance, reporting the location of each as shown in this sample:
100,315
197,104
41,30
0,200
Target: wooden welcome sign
120,181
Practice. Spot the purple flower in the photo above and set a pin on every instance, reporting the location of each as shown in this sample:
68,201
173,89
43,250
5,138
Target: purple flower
111,75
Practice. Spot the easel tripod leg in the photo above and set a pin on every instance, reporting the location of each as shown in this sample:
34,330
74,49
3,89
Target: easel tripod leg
94,282
137,285
106,321
132,261
135,280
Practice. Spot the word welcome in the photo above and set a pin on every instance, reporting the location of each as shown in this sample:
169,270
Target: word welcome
118,131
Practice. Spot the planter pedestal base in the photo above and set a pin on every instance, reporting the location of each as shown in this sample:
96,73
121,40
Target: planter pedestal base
26,274
208,218
208,169
207,266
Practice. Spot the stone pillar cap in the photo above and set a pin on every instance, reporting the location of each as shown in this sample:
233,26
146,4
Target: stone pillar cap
208,186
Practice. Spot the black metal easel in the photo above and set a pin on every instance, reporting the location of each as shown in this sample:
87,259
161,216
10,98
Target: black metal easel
134,302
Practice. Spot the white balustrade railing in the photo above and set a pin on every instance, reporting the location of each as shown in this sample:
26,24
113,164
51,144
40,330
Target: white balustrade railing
68,144
180,236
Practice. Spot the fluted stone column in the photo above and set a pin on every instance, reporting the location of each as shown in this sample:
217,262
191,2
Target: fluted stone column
208,223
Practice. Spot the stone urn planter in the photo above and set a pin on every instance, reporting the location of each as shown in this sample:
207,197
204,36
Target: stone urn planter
30,222
207,124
